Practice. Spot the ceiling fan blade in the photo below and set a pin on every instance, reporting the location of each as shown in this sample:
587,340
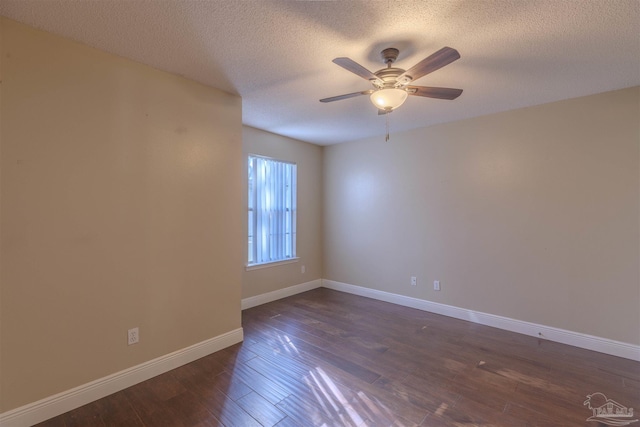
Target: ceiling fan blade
434,92
347,95
351,65
443,57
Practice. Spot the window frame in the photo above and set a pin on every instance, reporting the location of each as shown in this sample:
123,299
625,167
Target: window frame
293,220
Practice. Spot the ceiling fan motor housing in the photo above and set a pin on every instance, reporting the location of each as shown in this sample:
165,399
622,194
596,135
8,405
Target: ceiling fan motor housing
388,76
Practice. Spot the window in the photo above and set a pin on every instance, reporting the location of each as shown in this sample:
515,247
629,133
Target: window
272,211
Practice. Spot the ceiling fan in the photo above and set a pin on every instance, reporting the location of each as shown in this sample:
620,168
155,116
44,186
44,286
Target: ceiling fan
392,85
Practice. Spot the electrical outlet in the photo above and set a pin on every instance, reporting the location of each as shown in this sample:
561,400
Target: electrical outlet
414,280
132,336
303,269
436,285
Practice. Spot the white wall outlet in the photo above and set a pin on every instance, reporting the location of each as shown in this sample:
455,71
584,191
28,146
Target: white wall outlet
303,269
414,280
133,336
436,285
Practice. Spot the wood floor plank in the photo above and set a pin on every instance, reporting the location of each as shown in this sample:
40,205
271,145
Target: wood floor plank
261,409
287,374
430,398
231,386
87,415
304,412
117,410
53,422
225,409
471,412
288,422
262,385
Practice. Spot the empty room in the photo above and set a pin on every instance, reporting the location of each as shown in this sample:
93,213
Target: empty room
319,213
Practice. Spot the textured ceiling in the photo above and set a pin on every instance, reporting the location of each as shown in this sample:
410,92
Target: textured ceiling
277,54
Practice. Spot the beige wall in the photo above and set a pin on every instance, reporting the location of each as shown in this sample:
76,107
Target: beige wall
121,206
530,214
308,157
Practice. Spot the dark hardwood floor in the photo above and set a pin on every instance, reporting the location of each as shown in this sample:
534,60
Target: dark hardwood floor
326,358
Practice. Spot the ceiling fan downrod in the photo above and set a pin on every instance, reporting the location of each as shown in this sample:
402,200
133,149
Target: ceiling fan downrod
389,55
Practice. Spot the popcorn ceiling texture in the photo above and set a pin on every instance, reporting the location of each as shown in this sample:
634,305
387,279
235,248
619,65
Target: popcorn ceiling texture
277,54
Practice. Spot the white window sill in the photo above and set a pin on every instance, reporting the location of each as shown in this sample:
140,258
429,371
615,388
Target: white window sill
271,264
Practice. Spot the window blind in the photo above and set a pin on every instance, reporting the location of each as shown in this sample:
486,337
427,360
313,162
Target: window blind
272,210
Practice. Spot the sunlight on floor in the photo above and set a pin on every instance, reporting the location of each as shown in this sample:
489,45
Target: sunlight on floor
336,404
288,346
338,408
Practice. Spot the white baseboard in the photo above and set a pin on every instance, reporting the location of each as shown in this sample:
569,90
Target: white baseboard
60,403
280,293
576,339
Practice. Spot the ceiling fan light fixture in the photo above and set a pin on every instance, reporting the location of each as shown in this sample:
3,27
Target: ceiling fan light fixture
389,98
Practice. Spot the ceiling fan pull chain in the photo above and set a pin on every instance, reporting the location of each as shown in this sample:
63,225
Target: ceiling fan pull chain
387,120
